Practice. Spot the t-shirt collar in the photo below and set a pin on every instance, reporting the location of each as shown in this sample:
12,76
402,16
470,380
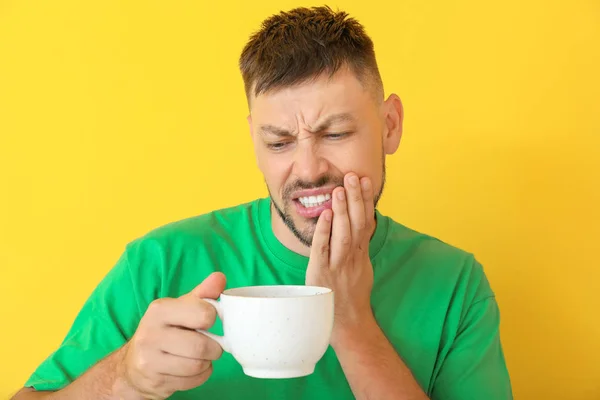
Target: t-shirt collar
299,261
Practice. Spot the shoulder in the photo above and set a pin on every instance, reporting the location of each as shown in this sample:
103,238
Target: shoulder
442,264
224,219
172,258
427,249
203,228
432,249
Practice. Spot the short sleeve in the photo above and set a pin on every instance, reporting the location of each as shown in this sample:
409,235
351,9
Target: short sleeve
475,367
108,318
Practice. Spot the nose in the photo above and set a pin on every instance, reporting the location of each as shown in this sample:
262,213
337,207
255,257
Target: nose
309,165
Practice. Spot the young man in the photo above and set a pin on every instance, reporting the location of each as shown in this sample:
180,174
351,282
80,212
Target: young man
415,318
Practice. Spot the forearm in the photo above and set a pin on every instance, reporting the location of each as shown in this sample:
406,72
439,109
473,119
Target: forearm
373,368
103,381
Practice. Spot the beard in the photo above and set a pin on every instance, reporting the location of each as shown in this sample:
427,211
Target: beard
305,236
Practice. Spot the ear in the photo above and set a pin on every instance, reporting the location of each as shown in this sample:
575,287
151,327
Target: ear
394,117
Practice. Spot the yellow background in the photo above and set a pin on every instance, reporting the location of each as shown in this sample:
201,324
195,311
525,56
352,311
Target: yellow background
120,116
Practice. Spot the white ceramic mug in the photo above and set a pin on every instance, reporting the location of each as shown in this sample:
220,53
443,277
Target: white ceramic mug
275,331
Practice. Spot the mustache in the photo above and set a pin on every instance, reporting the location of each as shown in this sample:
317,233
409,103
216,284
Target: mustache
303,185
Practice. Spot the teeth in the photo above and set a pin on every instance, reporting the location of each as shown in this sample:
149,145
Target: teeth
314,201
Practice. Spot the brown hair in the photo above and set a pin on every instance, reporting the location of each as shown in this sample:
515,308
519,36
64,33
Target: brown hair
294,46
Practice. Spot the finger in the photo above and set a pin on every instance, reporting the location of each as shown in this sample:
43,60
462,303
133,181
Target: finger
341,237
211,287
186,312
181,366
356,210
319,249
191,344
179,383
369,202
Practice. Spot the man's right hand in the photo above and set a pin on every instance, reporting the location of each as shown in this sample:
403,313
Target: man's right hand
166,354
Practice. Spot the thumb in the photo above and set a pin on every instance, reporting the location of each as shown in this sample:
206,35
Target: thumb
211,287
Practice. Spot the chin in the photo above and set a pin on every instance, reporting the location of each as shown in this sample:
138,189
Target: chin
305,230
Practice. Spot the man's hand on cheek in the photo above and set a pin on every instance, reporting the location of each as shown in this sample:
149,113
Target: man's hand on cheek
339,257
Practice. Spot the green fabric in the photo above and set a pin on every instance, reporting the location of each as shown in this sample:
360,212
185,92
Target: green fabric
432,300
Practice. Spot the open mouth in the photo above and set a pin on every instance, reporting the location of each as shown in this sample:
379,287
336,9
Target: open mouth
314,201
312,206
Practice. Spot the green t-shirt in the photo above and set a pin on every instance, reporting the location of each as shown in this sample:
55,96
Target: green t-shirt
432,301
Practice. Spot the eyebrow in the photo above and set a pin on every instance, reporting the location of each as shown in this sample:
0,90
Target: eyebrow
332,119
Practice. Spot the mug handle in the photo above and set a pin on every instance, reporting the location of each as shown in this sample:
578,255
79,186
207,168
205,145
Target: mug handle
219,339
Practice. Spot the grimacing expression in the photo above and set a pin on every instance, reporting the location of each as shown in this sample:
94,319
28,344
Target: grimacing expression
307,137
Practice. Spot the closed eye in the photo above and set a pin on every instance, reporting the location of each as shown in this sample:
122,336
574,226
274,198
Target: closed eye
277,146
336,136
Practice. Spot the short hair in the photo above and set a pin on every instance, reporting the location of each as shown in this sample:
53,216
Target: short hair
295,46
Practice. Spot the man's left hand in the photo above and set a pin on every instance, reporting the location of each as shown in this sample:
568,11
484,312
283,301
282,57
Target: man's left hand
339,257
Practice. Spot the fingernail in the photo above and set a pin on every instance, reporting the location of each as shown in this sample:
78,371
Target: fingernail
341,195
353,180
365,183
327,215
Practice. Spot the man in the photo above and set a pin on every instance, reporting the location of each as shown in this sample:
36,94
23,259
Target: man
415,318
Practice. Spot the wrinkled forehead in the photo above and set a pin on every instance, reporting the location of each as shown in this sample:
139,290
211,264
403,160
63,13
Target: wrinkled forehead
310,101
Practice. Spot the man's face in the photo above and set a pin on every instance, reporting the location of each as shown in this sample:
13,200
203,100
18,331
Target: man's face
307,137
